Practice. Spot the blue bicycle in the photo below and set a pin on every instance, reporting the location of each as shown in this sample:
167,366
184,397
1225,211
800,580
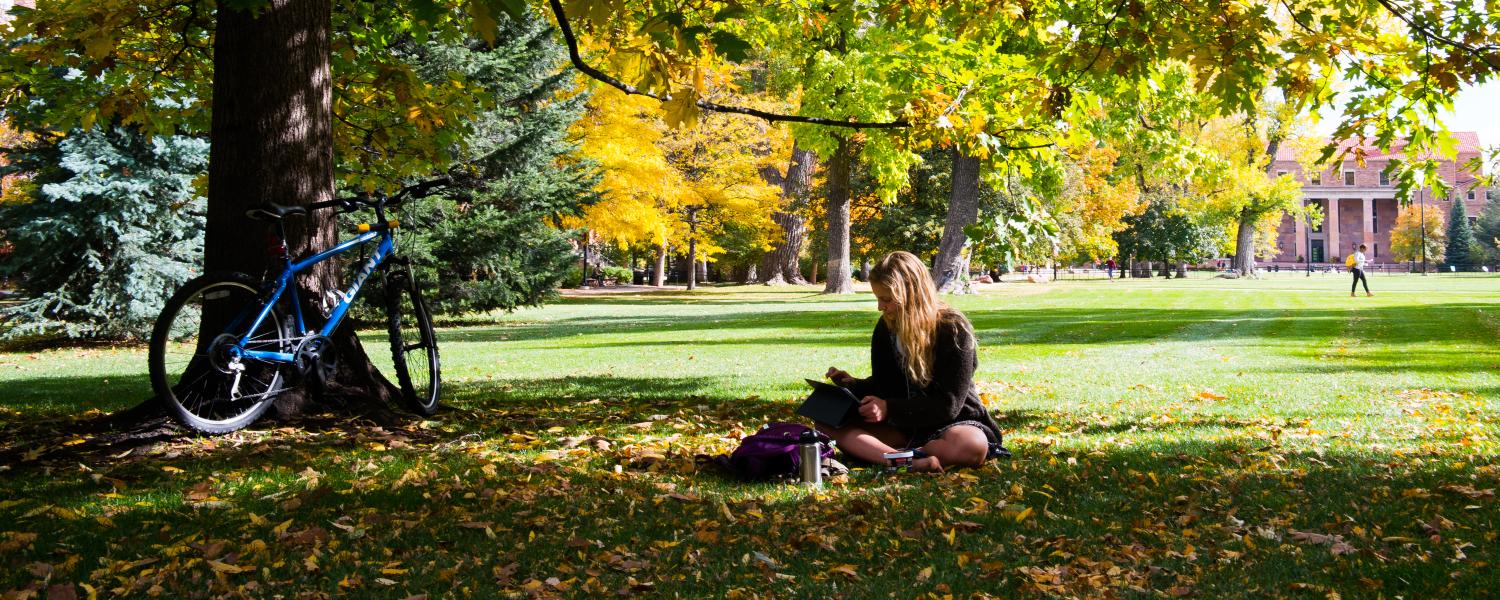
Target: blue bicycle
226,344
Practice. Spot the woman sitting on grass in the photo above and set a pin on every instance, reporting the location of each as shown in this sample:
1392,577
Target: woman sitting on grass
920,393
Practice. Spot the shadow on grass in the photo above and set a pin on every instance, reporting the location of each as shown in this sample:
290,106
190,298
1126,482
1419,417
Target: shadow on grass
1210,515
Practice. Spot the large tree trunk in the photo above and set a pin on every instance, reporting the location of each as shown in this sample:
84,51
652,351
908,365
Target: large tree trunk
1244,244
963,210
780,265
659,274
838,220
272,140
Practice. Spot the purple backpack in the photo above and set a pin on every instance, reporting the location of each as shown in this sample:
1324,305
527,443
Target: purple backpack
771,452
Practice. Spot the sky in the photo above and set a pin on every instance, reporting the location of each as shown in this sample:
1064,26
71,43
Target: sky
1475,109
1478,109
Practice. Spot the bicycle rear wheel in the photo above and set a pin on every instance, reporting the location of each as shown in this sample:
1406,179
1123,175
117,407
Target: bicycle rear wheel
192,369
413,343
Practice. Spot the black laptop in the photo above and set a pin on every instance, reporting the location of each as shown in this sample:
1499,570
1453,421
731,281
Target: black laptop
831,405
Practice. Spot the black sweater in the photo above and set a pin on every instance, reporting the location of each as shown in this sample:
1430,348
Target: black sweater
950,396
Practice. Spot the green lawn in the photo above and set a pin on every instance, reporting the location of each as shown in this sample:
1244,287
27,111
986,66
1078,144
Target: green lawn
1200,438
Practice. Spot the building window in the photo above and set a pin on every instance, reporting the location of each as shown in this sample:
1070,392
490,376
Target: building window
1348,177
1473,221
1317,178
1374,250
1471,194
1385,178
1280,174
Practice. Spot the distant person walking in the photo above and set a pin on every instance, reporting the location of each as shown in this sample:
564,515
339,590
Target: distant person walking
1358,268
1109,269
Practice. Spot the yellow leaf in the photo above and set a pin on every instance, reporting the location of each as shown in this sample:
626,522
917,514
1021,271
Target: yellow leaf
846,570
228,568
682,108
1023,515
924,574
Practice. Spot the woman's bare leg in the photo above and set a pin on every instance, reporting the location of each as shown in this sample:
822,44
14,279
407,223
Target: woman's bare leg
867,441
961,446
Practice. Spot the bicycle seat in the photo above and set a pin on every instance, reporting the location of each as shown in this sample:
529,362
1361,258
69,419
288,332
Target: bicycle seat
271,211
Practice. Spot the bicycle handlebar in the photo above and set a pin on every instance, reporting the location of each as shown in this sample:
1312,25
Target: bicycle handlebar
376,200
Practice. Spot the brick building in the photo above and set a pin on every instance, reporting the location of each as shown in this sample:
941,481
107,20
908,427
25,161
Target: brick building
1359,204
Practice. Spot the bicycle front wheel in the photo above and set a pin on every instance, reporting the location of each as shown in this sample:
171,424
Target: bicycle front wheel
193,368
413,343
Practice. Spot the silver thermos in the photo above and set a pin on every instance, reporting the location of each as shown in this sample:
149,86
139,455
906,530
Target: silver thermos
810,451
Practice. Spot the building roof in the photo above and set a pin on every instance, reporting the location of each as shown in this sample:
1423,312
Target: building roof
1468,143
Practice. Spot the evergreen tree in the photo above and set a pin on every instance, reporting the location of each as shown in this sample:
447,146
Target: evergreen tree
486,243
1461,246
114,225
1487,230
1165,234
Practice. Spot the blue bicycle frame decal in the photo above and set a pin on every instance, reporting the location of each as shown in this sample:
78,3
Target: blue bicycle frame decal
287,283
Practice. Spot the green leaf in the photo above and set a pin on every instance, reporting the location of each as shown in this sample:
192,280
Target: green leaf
426,10
730,46
484,24
516,9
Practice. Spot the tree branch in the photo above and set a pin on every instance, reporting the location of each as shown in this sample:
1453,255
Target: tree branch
1435,36
586,69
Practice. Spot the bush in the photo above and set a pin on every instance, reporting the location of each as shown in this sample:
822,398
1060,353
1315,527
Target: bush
620,274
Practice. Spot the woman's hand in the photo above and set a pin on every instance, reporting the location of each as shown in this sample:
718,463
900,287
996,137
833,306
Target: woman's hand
838,376
872,409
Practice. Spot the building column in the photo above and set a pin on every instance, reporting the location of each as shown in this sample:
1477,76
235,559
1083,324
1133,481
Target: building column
1369,222
1332,252
1300,226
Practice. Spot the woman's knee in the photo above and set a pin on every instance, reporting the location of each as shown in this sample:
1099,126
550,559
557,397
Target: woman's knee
964,446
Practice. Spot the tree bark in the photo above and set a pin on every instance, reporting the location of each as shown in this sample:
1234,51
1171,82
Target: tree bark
1244,244
272,140
963,210
659,274
838,220
692,257
780,265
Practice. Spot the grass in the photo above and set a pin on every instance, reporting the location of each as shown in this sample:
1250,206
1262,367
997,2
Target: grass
1186,438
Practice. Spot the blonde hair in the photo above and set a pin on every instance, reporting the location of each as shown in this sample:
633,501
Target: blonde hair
918,310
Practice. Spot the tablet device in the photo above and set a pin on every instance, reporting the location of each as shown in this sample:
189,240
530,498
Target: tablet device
829,404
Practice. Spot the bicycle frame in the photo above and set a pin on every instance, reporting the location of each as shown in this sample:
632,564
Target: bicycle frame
286,283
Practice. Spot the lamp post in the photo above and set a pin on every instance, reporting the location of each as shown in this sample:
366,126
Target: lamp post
1422,212
1307,254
